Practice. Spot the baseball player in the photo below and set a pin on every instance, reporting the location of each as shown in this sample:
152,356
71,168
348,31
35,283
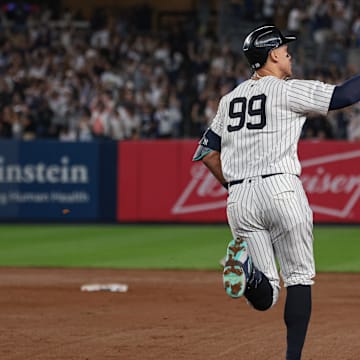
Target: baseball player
251,148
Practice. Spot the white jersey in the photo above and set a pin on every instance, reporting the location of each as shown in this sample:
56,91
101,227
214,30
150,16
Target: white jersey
260,123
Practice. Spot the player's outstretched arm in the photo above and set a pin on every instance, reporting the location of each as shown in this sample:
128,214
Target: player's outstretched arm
346,94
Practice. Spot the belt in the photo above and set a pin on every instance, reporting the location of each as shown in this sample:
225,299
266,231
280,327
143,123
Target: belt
234,182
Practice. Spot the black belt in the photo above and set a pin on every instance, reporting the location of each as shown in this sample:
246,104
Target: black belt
234,182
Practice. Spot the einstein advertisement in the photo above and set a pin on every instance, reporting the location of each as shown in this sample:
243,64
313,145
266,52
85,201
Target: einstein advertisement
50,180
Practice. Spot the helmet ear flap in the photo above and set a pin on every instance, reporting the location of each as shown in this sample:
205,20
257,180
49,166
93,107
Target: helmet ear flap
257,59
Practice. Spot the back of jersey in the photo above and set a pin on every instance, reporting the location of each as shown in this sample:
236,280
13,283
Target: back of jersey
259,132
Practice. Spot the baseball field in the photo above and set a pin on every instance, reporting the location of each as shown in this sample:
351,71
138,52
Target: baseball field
175,306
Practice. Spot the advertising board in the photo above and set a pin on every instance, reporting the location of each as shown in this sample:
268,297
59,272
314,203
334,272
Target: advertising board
158,182
49,179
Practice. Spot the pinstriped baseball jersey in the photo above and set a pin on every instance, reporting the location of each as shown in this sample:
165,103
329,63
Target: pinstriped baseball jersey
260,123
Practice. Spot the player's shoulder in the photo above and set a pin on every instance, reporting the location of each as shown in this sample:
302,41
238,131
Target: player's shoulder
238,89
292,86
294,81
275,81
272,85
230,95
306,85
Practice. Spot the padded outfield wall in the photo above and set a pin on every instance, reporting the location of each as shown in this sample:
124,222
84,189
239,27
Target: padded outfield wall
153,181
158,182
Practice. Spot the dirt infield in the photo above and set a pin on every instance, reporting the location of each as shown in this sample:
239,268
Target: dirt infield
164,315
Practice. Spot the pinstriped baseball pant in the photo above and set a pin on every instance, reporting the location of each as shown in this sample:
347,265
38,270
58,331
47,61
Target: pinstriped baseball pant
273,215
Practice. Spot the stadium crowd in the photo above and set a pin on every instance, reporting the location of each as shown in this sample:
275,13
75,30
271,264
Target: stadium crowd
111,77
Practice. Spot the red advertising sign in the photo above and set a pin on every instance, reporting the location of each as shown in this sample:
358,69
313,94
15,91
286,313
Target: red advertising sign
331,178
158,182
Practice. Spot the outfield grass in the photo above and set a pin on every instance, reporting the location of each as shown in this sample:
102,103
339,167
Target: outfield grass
152,246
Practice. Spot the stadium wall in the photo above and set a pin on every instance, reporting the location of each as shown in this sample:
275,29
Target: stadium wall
158,182
153,181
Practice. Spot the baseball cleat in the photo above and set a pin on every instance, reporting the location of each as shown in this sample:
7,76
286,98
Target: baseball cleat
237,269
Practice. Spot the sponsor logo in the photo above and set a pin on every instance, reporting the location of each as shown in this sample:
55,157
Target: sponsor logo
56,173
330,181
202,193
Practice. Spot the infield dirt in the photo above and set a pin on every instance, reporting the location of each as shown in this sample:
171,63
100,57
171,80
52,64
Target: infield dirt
164,315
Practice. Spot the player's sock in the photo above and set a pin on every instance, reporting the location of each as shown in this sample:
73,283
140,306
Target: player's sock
259,291
297,316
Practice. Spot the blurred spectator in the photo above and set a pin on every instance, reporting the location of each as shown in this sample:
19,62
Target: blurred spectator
167,119
6,120
210,109
84,127
147,123
354,124
114,78
355,31
66,134
268,11
317,127
99,119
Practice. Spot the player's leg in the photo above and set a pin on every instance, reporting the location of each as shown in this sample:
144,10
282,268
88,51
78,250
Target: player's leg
298,298
297,316
293,244
262,254
250,267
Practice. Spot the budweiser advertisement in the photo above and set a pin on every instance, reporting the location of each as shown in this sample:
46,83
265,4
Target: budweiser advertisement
158,182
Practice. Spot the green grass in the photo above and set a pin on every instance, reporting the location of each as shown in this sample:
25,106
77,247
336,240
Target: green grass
152,246
337,248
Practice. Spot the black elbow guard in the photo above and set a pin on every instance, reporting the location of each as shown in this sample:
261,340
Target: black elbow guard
209,142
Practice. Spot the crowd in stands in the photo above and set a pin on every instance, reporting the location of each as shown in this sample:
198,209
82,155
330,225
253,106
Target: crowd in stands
112,78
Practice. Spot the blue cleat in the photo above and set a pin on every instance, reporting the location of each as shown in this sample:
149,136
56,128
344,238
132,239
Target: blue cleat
238,268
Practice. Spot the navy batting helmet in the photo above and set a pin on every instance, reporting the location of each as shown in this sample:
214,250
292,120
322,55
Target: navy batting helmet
261,41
